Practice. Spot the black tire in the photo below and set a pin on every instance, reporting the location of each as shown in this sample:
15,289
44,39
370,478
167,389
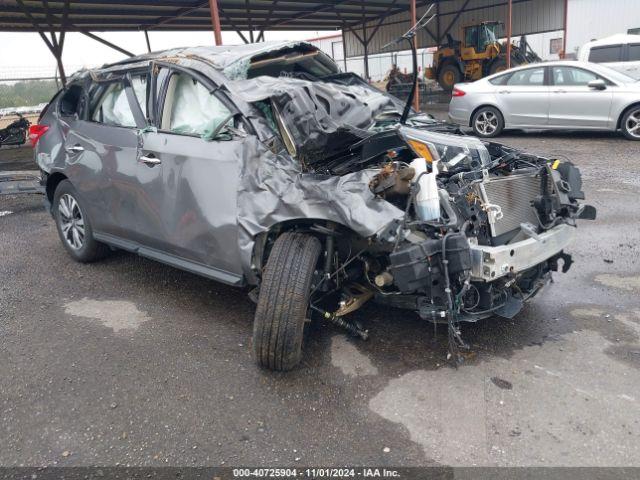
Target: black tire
449,75
499,64
491,119
89,249
278,327
630,123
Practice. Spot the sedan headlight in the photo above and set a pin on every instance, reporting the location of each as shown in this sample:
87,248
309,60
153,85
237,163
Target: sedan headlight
450,150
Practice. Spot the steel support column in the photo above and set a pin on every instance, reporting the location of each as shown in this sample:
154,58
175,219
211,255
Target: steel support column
344,49
509,31
564,35
414,20
52,43
365,43
146,37
365,46
215,21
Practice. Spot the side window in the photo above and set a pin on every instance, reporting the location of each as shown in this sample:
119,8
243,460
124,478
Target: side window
470,36
610,53
634,52
569,76
500,80
71,101
527,77
189,107
112,107
139,84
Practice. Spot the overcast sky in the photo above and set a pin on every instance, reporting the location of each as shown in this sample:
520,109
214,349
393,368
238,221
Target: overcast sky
27,51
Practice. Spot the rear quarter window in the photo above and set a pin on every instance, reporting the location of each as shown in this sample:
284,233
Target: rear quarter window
500,80
71,102
634,52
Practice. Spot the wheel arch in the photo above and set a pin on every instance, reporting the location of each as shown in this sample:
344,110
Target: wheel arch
263,241
624,112
53,180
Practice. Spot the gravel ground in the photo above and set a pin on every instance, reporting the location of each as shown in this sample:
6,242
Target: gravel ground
128,361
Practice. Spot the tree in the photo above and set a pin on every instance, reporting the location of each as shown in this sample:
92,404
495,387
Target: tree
26,94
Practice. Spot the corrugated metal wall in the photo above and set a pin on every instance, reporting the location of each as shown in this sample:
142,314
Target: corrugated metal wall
596,19
529,16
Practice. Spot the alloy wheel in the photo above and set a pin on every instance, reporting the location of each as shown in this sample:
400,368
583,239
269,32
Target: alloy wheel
632,124
71,221
487,123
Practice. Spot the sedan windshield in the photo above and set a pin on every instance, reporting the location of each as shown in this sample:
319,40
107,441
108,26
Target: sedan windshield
615,75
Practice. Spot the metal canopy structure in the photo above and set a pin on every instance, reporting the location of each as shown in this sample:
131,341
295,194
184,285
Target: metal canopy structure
366,24
176,15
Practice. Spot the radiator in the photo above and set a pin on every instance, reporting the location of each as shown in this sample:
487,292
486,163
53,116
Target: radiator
515,195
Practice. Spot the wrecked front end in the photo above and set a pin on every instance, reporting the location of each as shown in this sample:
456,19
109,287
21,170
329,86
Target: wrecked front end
482,227
415,216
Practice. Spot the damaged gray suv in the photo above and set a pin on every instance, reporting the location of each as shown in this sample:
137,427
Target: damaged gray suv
264,166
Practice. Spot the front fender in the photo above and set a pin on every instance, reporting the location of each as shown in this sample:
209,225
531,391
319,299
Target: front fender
273,190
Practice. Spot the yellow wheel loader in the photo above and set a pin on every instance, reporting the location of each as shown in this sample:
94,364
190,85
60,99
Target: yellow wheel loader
479,54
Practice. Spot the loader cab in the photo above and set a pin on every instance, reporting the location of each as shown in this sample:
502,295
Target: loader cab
479,36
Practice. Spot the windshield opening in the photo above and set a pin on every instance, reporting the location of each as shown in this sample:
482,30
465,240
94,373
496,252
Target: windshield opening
487,35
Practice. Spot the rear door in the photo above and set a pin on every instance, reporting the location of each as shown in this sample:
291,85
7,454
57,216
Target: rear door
189,176
524,98
574,104
101,150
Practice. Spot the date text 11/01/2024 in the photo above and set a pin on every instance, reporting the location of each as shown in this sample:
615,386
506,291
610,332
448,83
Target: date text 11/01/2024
315,473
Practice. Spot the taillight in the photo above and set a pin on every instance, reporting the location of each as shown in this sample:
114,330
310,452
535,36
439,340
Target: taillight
35,132
458,93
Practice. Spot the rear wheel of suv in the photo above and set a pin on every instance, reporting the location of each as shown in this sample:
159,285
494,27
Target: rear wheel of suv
630,123
283,304
487,122
74,226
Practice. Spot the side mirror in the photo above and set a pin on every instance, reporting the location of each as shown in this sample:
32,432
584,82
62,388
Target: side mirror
598,84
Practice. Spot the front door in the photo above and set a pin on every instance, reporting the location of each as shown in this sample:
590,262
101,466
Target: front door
574,104
188,171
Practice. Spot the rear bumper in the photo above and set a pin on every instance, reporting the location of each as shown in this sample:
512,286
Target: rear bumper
491,263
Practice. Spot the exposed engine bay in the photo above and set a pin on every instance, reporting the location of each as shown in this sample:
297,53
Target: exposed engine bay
486,239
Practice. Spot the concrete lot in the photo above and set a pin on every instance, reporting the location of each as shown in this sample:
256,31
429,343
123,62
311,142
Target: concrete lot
131,362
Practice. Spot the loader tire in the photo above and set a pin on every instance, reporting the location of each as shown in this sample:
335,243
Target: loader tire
498,65
449,75
283,304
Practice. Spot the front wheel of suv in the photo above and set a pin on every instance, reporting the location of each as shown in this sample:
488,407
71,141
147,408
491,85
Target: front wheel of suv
283,303
74,226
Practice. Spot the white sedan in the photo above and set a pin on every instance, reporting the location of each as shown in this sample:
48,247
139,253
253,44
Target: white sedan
554,95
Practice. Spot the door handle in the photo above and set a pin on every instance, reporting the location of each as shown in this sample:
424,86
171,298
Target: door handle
504,91
75,149
559,91
150,160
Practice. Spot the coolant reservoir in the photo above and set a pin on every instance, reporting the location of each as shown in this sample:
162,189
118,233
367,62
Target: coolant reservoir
427,200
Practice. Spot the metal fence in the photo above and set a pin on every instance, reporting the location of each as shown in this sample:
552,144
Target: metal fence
34,72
